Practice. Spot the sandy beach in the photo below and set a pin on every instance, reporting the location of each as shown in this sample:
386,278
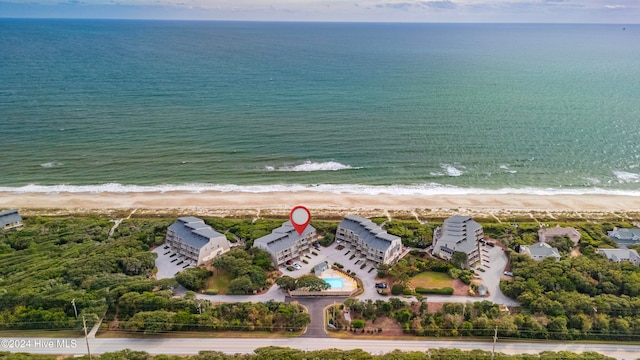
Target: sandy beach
327,204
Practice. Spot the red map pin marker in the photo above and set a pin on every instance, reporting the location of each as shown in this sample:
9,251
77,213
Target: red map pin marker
300,218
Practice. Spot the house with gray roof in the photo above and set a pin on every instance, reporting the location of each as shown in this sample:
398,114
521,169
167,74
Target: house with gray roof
10,219
540,251
195,241
620,255
369,240
625,236
284,243
458,234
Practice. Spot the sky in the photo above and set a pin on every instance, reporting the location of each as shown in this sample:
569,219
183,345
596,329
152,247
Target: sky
518,11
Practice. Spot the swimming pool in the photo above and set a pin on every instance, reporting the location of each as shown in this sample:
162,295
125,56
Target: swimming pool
336,283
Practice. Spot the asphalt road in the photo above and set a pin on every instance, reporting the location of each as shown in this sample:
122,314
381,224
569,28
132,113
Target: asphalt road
232,346
315,306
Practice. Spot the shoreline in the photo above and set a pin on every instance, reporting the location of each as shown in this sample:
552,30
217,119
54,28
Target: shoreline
217,203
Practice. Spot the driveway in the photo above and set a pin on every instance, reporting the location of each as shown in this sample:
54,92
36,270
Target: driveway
315,306
494,261
167,265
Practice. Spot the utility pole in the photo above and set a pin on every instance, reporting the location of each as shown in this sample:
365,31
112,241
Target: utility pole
86,337
73,302
200,308
495,338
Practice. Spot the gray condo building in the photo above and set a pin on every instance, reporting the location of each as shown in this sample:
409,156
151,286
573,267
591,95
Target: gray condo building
458,233
369,240
284,243
195,241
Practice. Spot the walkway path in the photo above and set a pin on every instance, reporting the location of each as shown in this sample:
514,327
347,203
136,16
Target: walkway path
117,223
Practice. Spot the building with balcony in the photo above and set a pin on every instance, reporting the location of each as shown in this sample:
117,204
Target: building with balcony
195,241
284,243
10,219
625,236
369,240
458,234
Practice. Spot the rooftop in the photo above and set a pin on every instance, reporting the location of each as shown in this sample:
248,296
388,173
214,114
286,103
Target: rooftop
283,237
370,232
194,231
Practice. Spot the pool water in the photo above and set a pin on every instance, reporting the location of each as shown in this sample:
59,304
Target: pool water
335,283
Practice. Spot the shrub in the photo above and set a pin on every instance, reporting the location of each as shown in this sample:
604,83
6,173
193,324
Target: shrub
338,265
352,256
211,292
379,330
364,265
305,261
397,289
440,291
407,292
290,268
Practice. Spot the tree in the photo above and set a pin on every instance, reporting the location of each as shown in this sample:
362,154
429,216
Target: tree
287,283
241,285
193,278
459,259
312,283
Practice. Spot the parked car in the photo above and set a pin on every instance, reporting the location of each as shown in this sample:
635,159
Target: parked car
482,241
491,244
297,266
289,262
508,273
381,285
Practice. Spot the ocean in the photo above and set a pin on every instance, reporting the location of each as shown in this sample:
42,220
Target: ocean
124,106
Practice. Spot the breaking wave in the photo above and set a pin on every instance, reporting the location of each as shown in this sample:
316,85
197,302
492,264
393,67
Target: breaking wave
313,166
416,189
625,177
51,164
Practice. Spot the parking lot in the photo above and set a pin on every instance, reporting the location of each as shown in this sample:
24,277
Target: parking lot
167,264
332,255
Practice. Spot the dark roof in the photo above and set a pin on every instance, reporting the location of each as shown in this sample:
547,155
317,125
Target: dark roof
9,217
194,231
369,231
283,237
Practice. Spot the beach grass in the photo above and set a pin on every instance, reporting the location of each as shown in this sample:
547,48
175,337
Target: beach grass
219,280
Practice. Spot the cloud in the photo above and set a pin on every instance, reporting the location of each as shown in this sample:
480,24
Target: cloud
615,6
444,4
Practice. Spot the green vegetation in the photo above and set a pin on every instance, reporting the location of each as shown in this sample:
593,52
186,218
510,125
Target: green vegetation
53,261
220,281
193,278
273,352
430,279
584,297
435,291
246,268
413,234
304,282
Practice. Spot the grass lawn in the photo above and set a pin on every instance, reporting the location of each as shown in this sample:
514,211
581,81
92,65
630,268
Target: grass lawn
220,280
430,279
42,333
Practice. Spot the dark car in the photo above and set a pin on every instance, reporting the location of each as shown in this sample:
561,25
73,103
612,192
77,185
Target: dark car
491,244
381,285
289,262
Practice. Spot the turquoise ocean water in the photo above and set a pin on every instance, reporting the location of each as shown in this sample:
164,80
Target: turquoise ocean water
88,105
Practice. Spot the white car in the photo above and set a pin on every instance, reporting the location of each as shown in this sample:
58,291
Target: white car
297,266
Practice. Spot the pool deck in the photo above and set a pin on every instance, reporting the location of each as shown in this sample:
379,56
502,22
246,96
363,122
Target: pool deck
348,284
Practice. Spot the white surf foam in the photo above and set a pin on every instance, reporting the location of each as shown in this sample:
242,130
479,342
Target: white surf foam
417,189
451,170
506,168
314,166
51,164
625,177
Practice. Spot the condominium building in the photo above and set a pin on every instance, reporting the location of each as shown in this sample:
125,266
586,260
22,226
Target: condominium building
195,241
369,240
10,219
284,243
458,234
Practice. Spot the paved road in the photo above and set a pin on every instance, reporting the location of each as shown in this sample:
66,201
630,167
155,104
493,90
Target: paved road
494,261
232,346
315,306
